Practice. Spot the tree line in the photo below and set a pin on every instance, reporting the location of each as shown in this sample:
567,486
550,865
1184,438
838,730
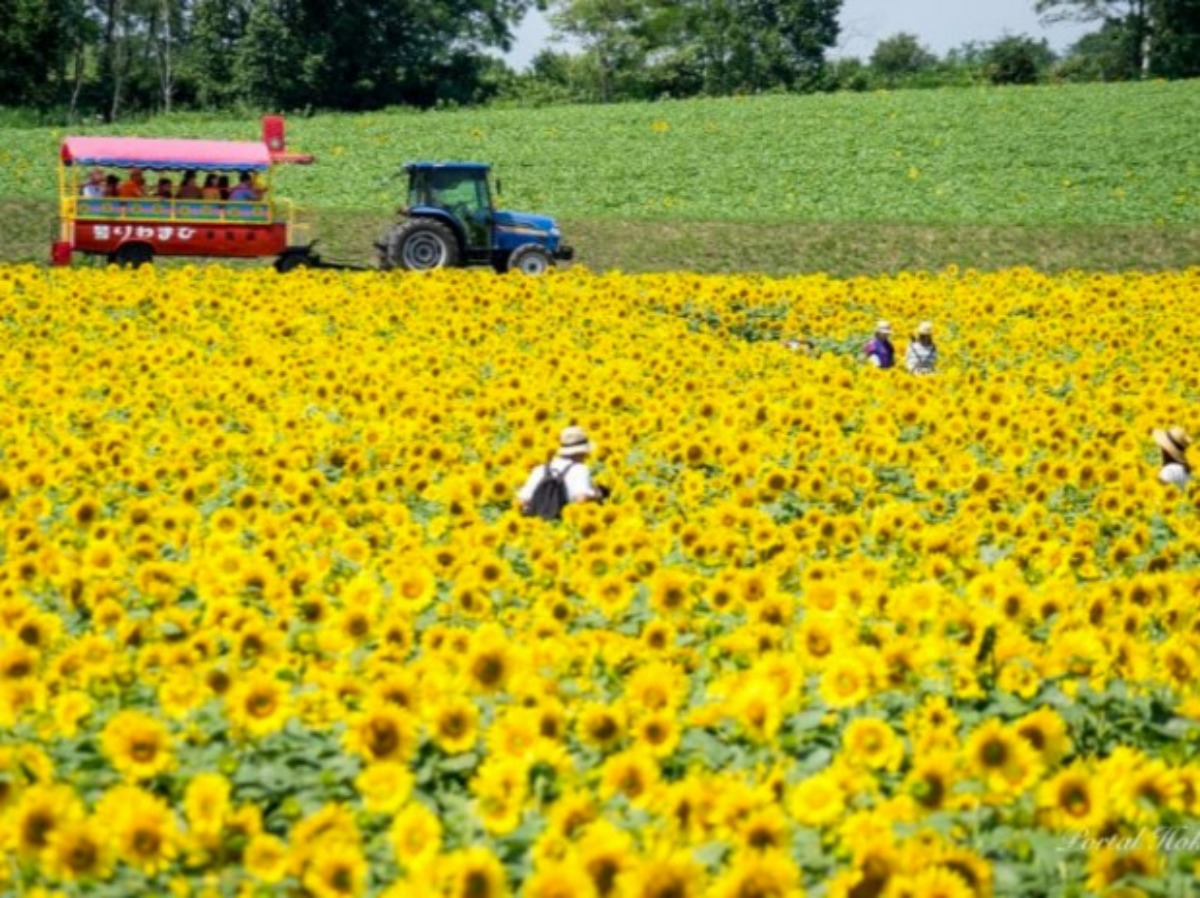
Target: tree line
646,49
108,58
112,58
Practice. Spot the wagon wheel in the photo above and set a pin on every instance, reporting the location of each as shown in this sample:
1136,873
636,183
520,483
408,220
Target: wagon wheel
291,261
133,255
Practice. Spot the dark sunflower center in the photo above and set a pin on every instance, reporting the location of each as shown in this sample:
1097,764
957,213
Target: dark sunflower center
382,739
143,750
260,705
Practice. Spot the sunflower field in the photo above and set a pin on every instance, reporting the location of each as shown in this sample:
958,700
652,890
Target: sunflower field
270,623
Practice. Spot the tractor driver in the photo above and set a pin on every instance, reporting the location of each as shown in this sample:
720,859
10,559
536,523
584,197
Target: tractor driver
425,193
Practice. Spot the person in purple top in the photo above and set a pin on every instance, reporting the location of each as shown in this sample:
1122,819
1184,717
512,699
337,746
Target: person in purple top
879,351
244,189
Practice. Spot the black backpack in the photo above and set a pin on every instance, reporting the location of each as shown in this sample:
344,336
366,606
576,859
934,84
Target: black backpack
550,496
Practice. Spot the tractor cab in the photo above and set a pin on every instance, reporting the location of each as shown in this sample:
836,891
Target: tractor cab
450,220
461,192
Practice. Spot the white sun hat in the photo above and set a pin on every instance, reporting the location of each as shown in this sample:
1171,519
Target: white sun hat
1174,442
573,441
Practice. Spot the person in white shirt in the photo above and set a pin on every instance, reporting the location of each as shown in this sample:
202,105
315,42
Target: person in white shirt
921,357
1175,469
573,448
93,188
800,344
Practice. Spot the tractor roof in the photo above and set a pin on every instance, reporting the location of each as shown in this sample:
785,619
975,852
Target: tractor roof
447,166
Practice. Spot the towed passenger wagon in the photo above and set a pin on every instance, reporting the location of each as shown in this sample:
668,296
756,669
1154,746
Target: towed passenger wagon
134,231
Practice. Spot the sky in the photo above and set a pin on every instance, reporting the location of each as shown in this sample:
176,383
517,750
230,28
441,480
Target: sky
940,25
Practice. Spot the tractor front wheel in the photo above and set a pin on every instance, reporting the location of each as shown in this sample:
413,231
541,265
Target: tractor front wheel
530,259
421,244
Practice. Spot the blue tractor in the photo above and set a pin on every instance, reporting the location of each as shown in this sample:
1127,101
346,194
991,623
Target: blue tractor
449,221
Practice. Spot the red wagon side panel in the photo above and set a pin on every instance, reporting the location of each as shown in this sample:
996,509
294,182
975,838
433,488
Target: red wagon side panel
179,239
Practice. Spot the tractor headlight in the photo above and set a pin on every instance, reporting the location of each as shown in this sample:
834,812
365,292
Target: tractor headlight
555,232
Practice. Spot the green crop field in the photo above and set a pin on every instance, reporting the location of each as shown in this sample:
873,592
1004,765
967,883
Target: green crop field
1090,176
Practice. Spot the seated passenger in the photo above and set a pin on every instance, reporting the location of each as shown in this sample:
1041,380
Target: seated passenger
223,186
93,187
188,188
245,189
112,186
165,189
211,191
134,188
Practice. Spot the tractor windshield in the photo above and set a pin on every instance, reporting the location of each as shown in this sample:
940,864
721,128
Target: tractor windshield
449,189
464,194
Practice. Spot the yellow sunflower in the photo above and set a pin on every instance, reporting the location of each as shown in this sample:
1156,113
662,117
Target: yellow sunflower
38,812
265,858
767,874
382,733
666,875
336,870
473,873
564,879
79,851
454,724
415,836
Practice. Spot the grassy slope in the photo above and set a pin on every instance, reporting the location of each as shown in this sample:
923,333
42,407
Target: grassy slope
1093,176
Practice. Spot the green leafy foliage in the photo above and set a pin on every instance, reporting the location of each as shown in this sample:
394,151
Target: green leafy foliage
1089,154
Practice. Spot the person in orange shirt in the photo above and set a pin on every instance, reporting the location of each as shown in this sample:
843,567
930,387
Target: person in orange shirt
211,191
134,188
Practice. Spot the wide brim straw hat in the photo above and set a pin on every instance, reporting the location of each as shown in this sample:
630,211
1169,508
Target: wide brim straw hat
883,327
1174,442
925,329
574,441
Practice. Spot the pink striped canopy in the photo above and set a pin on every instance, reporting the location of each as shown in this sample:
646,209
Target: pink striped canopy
160,155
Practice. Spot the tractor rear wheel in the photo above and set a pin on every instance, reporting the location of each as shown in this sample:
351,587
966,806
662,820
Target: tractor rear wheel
133,255
422,244
530,259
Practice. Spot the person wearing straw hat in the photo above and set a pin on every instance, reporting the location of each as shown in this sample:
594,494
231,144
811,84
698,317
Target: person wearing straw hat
93,187
879,351
921,357
1175,468
568,466
800,343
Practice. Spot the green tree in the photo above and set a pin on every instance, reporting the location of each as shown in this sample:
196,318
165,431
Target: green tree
361,54
646,47
34,46
850,73
900,56
1103,55
779,44
1131,17
618,36
1178,53
1154,37
270,65
217,28
1018,60
137,48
